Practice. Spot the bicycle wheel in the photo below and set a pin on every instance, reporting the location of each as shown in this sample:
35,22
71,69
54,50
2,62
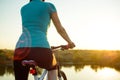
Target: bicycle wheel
62,75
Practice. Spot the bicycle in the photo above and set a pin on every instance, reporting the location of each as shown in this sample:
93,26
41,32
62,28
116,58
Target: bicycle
61,75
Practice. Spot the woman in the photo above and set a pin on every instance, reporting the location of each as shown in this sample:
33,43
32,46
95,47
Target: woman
33,44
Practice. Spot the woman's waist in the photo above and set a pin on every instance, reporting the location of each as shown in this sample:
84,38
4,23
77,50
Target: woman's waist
33,41
35,29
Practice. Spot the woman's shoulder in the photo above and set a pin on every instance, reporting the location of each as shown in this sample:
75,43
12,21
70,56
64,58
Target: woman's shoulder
51,6
25,5
49,3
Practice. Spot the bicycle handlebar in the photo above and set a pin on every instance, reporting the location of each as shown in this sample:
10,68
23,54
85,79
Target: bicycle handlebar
62,47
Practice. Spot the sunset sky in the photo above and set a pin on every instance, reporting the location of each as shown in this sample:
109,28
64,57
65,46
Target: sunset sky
91,24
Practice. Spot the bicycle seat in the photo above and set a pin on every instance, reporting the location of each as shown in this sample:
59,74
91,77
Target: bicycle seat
28,62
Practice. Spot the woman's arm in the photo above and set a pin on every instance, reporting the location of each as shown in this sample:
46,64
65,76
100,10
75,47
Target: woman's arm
61,30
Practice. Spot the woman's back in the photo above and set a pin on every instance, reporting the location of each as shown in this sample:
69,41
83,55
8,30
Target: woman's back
35,21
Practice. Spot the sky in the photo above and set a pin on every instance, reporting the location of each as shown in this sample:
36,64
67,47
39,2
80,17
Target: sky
91,24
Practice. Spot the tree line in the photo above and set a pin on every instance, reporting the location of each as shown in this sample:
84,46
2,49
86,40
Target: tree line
96,57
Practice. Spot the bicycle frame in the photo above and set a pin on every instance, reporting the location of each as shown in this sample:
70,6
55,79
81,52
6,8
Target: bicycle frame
42,75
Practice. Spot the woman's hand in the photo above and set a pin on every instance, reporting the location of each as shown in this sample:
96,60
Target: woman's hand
71,45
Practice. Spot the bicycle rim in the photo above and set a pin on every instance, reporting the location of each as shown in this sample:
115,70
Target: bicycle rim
63,76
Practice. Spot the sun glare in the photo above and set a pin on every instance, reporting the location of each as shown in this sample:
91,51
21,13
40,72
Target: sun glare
95,24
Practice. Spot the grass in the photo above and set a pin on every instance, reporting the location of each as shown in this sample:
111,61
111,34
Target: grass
96,57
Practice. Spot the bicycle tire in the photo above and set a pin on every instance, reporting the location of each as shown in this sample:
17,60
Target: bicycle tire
63,75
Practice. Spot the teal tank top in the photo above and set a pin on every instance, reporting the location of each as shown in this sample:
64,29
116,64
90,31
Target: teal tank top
35,22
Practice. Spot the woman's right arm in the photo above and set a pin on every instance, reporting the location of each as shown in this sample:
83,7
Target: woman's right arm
61,30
